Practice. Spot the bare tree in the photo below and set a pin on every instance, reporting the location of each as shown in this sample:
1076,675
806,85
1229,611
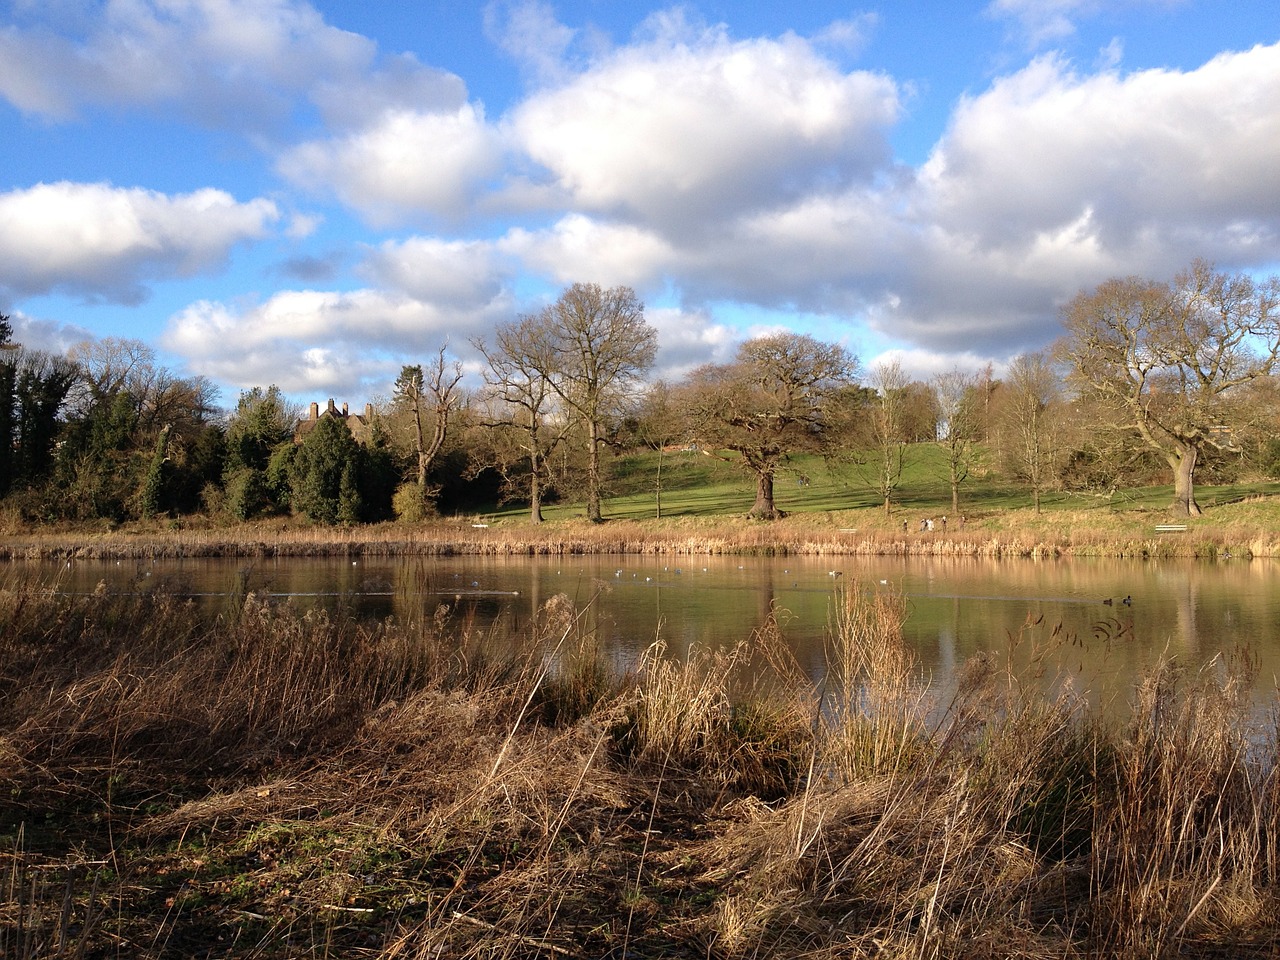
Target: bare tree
1031,395
433,391
886,429
778,398
1169,358
660,425
959,417
597,345
519,379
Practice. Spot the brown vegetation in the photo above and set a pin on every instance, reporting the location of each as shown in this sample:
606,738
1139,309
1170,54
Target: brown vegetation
283,784
1244,530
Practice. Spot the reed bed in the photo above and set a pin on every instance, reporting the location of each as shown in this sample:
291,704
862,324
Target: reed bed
272,783
1243,530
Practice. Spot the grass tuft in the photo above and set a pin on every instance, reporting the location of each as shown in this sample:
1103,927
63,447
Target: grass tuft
279,783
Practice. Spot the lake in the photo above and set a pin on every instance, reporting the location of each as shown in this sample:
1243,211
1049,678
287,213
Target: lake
1191,610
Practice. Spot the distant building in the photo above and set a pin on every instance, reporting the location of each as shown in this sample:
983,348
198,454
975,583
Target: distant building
360,425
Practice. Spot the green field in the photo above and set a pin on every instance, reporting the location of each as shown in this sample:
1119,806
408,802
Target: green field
698,485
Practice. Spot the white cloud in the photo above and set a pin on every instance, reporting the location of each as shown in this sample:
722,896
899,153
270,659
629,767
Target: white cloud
531,34
103,241
923,364
688,339
1046,183
850,36
405,165
608,253
725,173
236,63
34,333
307,341
1158,163
303,225
1045,21
222,55
467,274
682,131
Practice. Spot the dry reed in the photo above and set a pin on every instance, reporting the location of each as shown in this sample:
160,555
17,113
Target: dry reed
1236,529
279,783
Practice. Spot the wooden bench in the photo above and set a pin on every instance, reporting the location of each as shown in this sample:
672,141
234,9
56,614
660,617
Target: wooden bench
1171,528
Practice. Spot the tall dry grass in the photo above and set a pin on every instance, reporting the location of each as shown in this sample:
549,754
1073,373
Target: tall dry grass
274,782
1238,529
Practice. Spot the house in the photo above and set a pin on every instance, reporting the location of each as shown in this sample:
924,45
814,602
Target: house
360,425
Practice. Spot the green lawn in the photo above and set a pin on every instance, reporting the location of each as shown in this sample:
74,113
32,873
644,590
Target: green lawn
698,485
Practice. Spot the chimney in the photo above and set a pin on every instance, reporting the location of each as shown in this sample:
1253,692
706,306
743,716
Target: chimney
368,412
344,409
315,410
332,409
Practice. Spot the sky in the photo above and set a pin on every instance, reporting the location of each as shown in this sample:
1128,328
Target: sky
313,194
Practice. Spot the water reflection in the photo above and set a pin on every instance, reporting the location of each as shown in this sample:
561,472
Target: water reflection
1037,614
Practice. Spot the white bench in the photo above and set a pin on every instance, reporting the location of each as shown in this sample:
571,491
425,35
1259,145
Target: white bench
1171,528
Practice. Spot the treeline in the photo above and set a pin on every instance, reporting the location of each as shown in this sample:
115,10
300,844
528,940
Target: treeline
1151,382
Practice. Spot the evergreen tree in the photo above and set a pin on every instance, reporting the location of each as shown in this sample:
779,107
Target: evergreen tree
261,424
151,500
41,386
349,500
317,469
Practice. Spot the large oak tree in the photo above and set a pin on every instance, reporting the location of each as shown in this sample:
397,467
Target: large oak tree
1167,359
778,398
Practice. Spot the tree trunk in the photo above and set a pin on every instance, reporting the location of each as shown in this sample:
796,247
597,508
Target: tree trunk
419,447
888,505
593,473
657,492
535,486
1184,497
764,508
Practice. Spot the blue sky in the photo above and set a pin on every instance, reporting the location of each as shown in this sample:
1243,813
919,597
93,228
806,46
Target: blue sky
313,194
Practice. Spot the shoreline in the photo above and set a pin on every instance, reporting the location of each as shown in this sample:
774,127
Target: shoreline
803,537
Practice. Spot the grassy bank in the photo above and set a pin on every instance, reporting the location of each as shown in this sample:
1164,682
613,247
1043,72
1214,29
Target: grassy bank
270,784
1246,529
702,505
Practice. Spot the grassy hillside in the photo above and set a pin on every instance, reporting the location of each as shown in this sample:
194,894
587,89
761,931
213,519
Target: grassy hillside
699,485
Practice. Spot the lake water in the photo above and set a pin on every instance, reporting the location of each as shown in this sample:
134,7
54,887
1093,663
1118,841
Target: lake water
1192,610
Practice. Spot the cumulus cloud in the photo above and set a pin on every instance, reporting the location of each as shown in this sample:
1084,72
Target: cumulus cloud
234,63
1047,182
1045,147
334,342
35,333
458,273
1050,181
729,175
406,164
686,128
687,339
578,246
104,242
